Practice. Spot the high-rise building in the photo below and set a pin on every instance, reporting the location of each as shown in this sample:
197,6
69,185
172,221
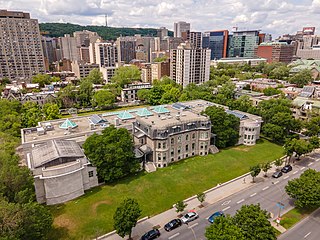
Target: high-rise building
159,70
105,54
69,48
275,52
243,43
217,41
83,38
195,39
126,49
182,29
21,54
162,32
189,65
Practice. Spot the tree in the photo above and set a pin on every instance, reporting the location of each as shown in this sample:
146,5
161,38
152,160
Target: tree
305,189
280,72
126,217
180,206
160,59
313,126
301,78
103,99
112,153
254,171
243,104
126,75
223,228
315,142
4,81
155,94
265,168
143,94
271,91
67,96
10,117
95,76
278,162
201,197
254,223
225,126
85,92
41,79
51,111
273,131
31,114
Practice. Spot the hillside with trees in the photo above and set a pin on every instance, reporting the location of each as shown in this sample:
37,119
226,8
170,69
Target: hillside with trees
107,33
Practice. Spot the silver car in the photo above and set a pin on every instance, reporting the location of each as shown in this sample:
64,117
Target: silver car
190,216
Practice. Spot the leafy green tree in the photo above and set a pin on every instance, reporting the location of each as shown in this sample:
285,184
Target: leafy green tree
4,81
301,147
225,93
11,218
41,79
301,78
126,75
160,59
278,162
112,153
305,189
225,126
126,217
315,142
223,228
85,92
67,96
37,221
10,119
95,76
243,104
254,223
51,111
31,114
254,171
265,168
313,126
143,94
271,91
180,206
201,197
103,99
171,96
286,121
281,72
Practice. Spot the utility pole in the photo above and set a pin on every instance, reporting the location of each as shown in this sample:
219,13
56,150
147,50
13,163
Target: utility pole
106,19
279,204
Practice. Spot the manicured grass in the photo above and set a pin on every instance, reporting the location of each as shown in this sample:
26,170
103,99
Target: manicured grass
293,216
92,214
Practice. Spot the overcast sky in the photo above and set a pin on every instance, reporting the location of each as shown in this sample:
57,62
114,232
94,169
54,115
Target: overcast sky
271,16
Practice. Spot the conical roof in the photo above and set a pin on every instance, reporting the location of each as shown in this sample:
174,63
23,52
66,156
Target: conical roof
68,123
143,112
125,115
160,109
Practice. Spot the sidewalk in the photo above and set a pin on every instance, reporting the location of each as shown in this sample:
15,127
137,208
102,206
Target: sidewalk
213,195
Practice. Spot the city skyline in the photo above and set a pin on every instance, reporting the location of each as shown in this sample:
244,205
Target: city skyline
275,17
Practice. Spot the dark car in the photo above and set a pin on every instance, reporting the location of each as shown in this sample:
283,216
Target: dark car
286,169
172,224
152,234
215,215
277,174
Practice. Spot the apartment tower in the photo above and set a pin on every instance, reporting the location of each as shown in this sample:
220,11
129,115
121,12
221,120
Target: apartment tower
21,54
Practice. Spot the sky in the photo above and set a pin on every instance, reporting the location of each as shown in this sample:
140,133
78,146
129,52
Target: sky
271,16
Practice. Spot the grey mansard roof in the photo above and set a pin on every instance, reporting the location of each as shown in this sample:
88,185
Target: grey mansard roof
54,149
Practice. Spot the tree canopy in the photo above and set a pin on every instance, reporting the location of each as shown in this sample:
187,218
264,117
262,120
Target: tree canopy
126,75
126,217
305,189
301,78
112,153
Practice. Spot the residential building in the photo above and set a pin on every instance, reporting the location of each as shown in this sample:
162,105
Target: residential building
181,29
129,92
217,41
105,54
189,65
85,37
69,48
146,73
159,70
162,32
275,52
82,69
311,53
40,98
61,171
303,107
49,47
243,43
108,73
21,54
126,49
195,39
302,64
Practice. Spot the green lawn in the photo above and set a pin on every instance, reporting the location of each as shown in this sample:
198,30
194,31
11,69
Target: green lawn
156,192
293,216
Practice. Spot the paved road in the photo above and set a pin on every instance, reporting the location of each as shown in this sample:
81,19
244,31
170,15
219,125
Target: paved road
307,229
268,193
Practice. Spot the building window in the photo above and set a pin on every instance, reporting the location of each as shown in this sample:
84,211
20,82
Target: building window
193,146
164,145
193,135
164,156
179,149
159,145
172,140
90,174
245,136
159,157
172,151
179,139
187,137
187,147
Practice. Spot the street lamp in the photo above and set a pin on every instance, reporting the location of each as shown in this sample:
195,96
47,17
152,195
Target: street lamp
279,204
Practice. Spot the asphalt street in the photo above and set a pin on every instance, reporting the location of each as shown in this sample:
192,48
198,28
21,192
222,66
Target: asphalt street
307,229
267,191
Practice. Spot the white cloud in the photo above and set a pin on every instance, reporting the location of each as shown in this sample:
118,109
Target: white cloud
271,16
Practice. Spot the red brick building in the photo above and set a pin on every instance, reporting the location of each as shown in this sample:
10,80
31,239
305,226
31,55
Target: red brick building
275,52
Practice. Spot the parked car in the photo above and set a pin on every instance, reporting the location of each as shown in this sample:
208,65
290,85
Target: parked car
190,216
286,169
152,234
215,215
277,174
172,224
